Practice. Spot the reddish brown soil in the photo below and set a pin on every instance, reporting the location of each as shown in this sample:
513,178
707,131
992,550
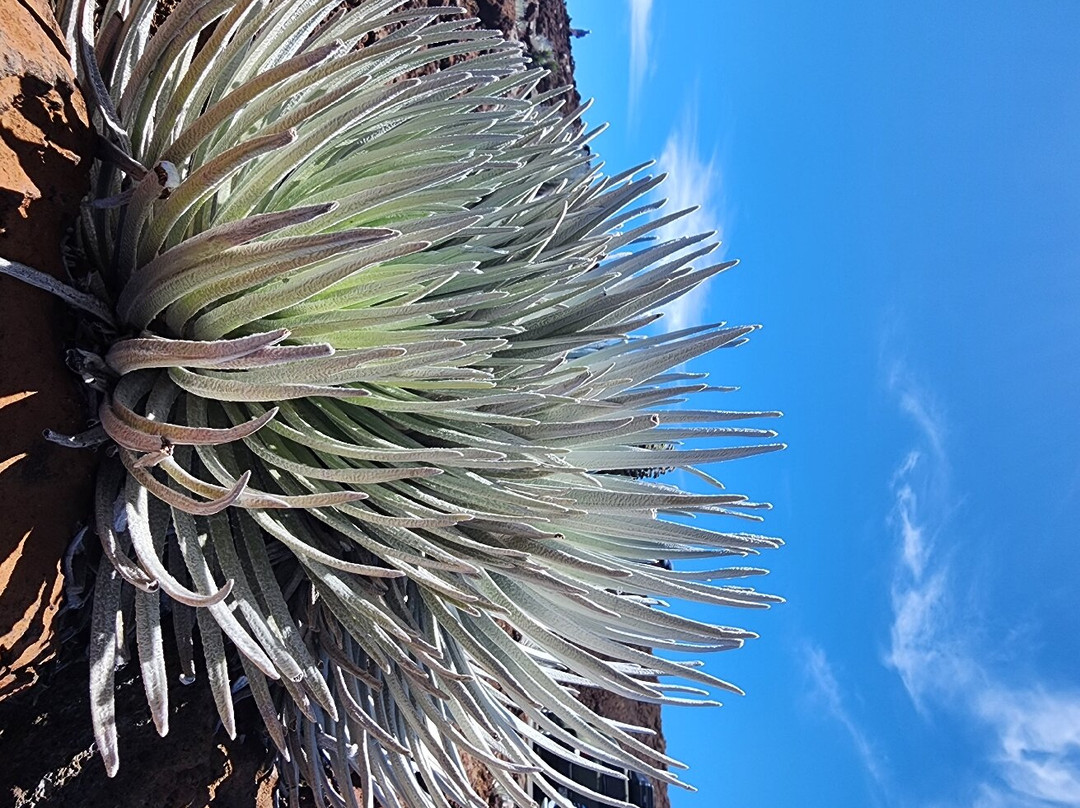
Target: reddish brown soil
44,148
47,759
549,19
631,712
544,24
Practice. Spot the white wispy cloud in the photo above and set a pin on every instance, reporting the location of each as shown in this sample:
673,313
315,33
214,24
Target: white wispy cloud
921,648
914,541
1039,742
640,14
827,689
693,183
1033,731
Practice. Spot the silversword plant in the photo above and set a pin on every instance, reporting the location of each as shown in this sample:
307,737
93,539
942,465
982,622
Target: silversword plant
383,416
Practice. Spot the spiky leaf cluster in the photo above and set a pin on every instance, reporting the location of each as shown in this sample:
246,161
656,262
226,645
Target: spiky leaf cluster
382,425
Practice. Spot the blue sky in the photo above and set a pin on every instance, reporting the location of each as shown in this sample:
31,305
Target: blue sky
901,183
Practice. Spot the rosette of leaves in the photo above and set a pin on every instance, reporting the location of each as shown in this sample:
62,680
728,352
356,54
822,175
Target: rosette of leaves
382,425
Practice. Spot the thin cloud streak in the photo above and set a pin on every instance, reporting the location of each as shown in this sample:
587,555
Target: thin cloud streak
640,14
921,651
914,541
1035,731
693,184
827,688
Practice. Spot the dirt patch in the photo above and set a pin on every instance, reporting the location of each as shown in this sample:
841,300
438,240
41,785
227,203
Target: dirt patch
541,26
47,756
629,711
44,489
